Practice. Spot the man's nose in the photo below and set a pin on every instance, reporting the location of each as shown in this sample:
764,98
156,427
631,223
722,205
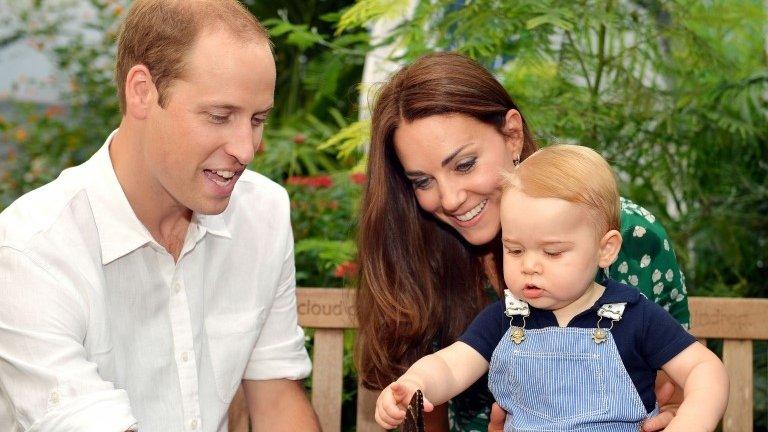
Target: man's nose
242,143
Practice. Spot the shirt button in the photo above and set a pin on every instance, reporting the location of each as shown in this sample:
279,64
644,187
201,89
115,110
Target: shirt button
184,356
176,287
193,424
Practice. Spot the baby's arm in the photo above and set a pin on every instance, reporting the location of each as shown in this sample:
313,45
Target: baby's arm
705,389
440,376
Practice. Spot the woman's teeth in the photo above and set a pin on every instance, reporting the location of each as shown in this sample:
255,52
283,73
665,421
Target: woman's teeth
466,217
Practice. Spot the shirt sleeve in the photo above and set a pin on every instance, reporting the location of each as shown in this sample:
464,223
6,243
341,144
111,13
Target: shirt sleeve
46,380
647,261
663,338
486,330
280,351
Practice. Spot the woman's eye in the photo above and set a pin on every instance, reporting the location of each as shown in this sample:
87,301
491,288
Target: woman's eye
467,165
258,121
420,183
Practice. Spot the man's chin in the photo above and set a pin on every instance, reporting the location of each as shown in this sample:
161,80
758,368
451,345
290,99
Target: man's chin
212,207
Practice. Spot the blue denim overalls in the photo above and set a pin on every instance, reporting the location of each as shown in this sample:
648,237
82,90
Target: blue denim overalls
563,379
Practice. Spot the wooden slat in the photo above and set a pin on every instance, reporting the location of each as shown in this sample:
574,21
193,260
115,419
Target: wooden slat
366,403
737,356
327,377
326,307
728,318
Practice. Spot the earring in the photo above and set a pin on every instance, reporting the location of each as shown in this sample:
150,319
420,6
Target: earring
516,161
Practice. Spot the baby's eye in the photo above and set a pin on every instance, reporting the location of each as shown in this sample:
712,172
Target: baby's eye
553,253
514,251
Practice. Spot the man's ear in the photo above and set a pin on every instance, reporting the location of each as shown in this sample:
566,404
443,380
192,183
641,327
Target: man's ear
609,248
513,132
140,92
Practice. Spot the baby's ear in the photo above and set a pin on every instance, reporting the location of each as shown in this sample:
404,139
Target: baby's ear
609,248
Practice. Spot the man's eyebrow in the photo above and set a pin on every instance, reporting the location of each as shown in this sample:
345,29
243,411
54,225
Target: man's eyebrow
230,107
450,157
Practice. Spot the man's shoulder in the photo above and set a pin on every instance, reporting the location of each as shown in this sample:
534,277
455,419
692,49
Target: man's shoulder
41,209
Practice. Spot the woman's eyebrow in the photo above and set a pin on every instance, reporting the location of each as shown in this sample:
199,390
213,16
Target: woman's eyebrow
453,154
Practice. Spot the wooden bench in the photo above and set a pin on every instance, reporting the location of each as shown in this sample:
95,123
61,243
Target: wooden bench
737,321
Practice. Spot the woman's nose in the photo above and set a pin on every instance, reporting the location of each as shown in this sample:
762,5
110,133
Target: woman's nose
452,196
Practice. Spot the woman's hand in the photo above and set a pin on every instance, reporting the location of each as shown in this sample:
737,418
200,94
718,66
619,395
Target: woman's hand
669,397
498,416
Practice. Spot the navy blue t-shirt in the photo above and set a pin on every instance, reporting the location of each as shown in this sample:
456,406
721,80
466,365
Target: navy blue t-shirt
646,336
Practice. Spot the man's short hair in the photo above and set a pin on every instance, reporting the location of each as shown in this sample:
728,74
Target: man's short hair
160,33
572,173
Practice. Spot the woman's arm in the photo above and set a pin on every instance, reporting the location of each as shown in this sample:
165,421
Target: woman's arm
705,384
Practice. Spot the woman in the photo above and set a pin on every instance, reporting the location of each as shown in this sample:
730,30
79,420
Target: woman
429,248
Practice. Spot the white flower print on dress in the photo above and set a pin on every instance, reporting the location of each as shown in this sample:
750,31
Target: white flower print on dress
638,232
656,275
657,288
650,218
644,261
666,244
673,293
623,267
669,275
679,298
633,280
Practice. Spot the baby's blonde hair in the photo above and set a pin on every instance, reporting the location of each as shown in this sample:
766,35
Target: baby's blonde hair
572,173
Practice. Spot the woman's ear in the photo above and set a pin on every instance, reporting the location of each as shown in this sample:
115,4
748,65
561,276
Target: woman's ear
140,92
513,132
609,248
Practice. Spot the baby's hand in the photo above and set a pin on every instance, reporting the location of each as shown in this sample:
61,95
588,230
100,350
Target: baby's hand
393,401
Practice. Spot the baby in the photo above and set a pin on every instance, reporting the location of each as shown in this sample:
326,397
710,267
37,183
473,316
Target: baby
562,352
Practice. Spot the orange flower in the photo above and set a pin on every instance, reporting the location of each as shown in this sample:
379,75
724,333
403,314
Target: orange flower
21,135
346,269
357,178
54,111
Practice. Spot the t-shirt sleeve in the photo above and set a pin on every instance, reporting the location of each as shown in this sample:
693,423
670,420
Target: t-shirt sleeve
486,330
663,337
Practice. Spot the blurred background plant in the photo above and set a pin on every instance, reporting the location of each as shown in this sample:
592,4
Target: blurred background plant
674,93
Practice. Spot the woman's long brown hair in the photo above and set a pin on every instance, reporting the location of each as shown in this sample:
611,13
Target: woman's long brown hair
420,282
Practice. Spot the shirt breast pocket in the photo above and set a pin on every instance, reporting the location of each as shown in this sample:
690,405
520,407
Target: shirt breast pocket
231,338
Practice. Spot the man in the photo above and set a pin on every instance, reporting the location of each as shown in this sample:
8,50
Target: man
138,289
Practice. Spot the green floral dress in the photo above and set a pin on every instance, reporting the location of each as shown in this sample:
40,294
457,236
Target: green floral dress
646,261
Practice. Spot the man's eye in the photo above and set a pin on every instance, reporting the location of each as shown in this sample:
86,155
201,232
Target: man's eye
218,119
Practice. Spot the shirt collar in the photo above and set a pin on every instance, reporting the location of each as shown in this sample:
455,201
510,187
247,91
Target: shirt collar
120,231
214,224
616,292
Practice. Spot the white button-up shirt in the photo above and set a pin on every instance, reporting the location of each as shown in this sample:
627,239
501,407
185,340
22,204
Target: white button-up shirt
100,330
